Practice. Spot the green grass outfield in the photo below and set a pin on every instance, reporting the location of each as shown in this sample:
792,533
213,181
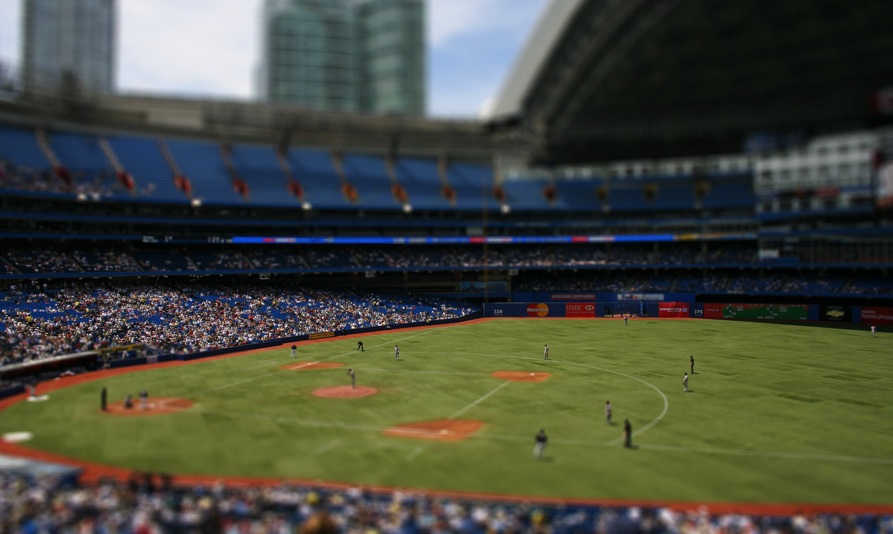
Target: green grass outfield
775,413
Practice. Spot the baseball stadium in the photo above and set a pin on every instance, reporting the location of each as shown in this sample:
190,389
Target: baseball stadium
649,292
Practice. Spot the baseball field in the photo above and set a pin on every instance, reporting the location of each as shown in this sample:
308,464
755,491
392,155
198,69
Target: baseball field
774,413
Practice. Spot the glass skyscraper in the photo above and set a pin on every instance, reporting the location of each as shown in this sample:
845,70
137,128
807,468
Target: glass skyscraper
68,43
345,55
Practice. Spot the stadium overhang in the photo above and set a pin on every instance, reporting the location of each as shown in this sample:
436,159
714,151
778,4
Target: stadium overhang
616,79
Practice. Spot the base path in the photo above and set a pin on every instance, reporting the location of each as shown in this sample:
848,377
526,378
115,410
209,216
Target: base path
344,392
521,376
310,366
441,430
155,406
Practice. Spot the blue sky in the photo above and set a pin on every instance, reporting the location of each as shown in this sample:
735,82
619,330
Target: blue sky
471,47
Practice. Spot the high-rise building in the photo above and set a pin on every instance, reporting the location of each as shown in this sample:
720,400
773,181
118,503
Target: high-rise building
391,36
68,44
345,55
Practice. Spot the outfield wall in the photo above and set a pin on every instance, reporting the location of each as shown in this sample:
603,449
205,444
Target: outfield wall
873,315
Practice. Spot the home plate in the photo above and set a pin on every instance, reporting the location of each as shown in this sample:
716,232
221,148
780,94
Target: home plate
17,437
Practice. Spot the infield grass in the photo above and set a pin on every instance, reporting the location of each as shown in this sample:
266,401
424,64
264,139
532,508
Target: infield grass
774,413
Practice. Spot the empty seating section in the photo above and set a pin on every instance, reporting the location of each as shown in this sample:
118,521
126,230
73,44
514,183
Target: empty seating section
259,167
202,163
526,194
473,185
316,173
730,195
20,148
422,183
577,194
82,155
674,197
369,176
141,157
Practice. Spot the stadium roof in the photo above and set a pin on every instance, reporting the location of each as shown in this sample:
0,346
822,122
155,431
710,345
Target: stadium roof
612,79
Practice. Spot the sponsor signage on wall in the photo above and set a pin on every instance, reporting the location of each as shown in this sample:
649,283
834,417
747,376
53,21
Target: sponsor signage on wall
837,314
573,296
538,310
875,315
640,296
579,309
790,312
673,309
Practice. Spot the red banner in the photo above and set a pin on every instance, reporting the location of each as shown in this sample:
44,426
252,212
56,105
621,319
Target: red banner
713,311
579,309
875,316
673,309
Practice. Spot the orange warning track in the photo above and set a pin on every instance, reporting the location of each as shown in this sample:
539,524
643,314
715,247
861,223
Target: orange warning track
310,366
521,376
442,430
344,392
156,406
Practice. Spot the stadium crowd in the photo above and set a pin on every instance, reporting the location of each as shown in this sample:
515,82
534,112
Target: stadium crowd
185,317
148,504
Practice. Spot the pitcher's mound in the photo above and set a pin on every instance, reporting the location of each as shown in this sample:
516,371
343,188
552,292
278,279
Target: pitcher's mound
155,406
344,392
521,376
310,366
442,430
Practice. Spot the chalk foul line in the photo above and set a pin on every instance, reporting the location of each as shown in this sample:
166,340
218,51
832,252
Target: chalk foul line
475,403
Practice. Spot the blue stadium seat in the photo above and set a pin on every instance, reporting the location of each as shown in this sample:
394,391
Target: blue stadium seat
202,163
259,167
141,157
369,176
473,185
577,194
20,148
526,194
316,173
420,179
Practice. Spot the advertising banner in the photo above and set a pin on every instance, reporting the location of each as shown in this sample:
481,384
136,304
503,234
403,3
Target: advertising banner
837,314
579,309
770,312
573,296
639,296
875,316
538,310
673,309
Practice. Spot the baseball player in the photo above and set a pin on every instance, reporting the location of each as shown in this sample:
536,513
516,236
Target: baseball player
397,352
627,434
692,364
626,321
873,331
353,379
294,349
685,382
144,400
103,399
360,346
608,410
540,446
546,353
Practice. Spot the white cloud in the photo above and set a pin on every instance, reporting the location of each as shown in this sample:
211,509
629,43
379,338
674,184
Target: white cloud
9,30
205,47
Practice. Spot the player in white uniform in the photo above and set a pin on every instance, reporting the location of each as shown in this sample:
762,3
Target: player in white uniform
685,382
397,352
294,349
873,331
546,353
608,411
353,378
